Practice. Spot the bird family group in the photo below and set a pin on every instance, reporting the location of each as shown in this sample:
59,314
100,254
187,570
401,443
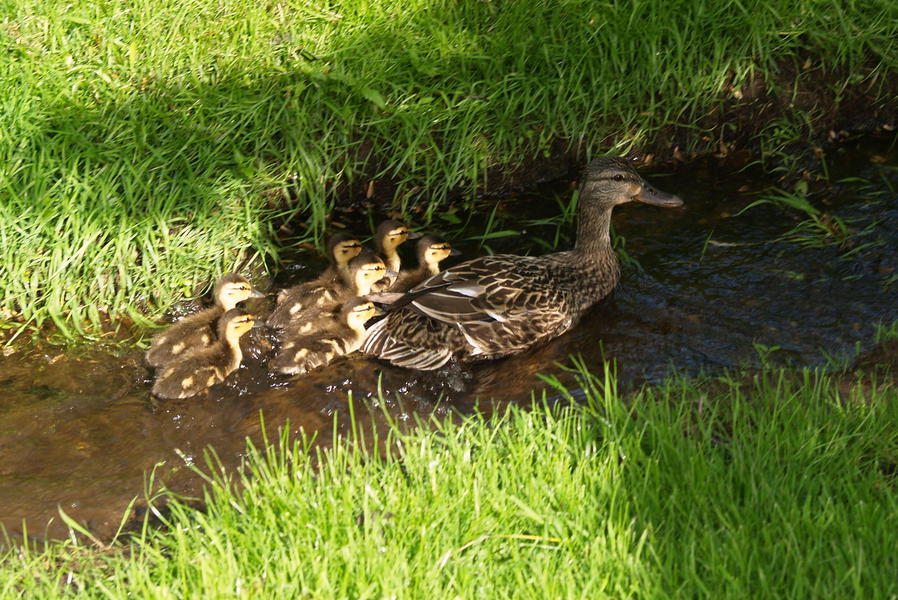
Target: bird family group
485,308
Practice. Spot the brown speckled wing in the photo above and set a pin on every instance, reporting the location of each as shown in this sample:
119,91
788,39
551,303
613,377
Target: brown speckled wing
485,308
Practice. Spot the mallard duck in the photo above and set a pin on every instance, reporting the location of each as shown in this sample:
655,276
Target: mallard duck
341,248
499,305
431,250
389,236
197,331
206,367
332,338
363,271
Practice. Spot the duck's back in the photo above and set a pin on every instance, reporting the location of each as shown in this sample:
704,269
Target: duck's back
192,333
300,301
305,349
198,371
485,308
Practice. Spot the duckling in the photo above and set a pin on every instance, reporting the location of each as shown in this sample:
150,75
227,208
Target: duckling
432,250
341,248
197,331
206,367
364,270
331,339
499,305
389,236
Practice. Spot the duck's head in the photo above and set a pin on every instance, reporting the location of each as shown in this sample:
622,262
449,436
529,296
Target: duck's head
357,312
343,247
232,289
390,234
234,323
364,270
609,181
432,250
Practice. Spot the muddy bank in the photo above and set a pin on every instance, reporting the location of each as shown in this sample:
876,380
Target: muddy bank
793,119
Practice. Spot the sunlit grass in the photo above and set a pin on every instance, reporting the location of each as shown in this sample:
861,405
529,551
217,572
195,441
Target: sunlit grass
780,485
147,146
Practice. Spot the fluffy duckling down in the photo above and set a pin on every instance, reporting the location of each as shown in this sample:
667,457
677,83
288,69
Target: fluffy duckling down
204,368
317,343
198,331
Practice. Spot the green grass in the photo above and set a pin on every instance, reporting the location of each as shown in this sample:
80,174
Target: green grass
776,486
147,146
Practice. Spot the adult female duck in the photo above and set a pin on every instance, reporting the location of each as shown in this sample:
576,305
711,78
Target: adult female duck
499,305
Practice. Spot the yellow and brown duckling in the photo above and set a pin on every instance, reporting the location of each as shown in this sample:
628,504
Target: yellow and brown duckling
495,306
364,271
328,340
341,248
389,236
432,250
197,331
204,368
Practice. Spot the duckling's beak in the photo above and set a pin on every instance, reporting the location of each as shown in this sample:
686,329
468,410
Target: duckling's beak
259,324
656,197
256,294
378,311
391,273
455,252
413,235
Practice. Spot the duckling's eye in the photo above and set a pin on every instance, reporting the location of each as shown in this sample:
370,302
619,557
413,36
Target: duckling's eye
618,177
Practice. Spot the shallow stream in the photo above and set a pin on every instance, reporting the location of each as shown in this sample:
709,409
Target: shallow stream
714,288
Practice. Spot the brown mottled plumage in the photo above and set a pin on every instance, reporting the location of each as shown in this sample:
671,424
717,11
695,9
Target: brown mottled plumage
204,368
315,344
197,331
364,270
499,305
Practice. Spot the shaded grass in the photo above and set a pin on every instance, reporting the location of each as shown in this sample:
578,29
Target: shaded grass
770,487
146,145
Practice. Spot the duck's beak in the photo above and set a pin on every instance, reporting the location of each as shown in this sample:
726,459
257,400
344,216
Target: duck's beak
256,294
656,197
259,324
455,252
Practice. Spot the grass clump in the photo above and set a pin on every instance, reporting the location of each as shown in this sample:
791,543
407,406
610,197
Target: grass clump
146,145
779,486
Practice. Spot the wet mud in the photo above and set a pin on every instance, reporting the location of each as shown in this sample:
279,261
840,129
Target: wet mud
714,288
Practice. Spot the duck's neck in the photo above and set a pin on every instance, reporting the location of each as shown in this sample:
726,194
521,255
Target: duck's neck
233,341
222,302
593,232
429,268
361,286
342,269
391,258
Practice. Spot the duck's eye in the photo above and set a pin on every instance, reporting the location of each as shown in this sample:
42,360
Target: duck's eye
618,177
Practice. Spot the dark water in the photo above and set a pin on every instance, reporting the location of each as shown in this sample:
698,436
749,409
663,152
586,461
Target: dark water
82,432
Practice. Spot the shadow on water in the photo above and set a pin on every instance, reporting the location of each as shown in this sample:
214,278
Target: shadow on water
713,285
